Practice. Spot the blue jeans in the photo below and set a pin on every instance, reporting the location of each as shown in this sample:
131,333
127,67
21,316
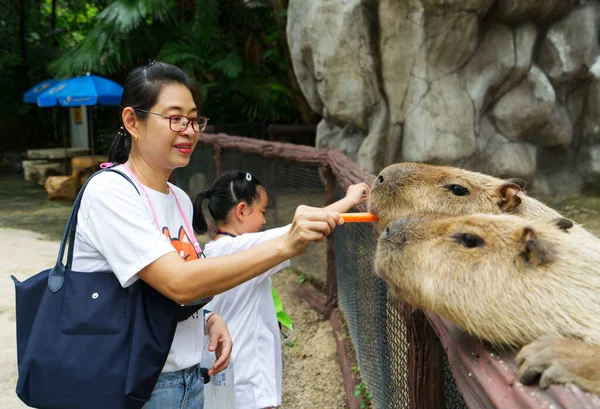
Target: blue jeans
178,390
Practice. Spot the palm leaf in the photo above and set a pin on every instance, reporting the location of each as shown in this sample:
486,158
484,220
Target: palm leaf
231,64
126,15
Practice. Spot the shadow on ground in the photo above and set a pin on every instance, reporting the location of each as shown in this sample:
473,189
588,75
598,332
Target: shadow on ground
24,205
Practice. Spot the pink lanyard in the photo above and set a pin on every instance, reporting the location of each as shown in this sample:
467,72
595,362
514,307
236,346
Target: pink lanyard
188,228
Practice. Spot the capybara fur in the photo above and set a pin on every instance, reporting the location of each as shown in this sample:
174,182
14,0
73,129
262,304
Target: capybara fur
408,188
506,280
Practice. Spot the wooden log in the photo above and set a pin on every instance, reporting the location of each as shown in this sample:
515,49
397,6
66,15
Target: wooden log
62,187
87,162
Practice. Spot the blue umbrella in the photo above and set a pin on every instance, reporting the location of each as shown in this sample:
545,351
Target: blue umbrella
85,90
32,94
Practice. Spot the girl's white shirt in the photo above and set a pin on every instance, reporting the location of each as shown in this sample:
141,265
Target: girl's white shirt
249,312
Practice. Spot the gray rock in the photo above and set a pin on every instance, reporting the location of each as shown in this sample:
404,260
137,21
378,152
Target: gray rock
444,7
555,186
590,164
401,38
503,158
440,129
526,108
525,36
490,65
516,11
558,132
348,138
508,87
448,43
591,115
571,44
324,36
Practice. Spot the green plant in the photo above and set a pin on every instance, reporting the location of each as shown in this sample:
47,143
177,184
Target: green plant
361,391
233,50
301,278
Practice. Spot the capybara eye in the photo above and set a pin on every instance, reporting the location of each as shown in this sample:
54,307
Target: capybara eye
458,190
380,179
385,233
469,240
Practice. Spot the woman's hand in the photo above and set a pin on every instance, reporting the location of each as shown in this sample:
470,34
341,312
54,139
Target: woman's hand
310,224
220,342
356,194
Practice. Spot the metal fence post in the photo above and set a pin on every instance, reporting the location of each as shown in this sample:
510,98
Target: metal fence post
331,284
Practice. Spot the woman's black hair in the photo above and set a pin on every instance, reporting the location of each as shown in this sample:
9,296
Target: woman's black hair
141,91
227,191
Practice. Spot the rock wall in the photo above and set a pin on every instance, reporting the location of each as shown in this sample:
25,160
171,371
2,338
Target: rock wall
506,87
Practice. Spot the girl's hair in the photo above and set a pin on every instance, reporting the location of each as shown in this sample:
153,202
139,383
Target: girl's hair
141,91
227,191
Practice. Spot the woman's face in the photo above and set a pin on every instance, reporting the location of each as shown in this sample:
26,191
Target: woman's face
157,143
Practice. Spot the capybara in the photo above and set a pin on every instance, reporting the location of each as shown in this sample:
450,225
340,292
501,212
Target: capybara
507,280
405,189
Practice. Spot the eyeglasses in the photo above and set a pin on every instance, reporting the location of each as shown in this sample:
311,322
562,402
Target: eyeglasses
179,123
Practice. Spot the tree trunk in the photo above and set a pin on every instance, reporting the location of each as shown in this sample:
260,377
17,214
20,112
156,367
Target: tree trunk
23,44
53,17
306,114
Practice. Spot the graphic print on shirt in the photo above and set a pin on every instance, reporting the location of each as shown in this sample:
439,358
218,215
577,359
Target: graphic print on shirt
182,244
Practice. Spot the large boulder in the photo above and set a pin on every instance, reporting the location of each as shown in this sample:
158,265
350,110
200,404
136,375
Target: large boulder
496,85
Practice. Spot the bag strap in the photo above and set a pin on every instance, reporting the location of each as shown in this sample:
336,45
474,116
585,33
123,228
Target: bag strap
57,274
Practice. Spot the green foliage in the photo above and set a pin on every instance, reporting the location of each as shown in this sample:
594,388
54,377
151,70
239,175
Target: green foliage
232,49
362,391
229,48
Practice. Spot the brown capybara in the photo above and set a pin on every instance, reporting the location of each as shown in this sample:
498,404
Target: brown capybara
407,188
506,280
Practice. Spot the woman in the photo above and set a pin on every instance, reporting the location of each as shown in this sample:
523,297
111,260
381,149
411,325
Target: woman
145,236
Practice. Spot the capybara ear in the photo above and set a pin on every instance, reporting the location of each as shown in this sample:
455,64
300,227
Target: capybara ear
562,223
535,250
509,200
519,182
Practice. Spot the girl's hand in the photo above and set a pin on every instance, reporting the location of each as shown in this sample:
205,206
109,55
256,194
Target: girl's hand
357,194
310,224
220,342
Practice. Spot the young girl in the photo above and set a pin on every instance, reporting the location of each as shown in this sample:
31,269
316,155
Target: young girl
237,202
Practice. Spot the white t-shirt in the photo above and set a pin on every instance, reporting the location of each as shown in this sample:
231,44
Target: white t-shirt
249,312
116,232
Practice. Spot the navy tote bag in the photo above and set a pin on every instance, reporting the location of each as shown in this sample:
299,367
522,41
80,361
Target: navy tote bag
85,342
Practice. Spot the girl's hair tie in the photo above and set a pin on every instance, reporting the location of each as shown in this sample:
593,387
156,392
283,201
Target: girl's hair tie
248,177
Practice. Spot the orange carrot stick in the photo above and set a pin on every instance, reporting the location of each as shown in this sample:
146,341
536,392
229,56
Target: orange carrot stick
359,217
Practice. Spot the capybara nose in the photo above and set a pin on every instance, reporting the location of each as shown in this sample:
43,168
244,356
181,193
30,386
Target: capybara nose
395,232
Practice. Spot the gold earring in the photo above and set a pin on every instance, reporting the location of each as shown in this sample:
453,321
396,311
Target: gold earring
135,138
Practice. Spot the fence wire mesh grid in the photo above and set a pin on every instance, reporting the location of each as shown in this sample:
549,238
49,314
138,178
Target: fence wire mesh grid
452,398
374,318
287,185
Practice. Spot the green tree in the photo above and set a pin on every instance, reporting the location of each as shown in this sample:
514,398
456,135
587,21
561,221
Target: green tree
234,50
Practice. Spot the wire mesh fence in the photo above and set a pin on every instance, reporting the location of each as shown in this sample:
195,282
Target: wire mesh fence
383,333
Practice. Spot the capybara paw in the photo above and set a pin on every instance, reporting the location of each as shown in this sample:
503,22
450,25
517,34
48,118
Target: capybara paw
550,358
